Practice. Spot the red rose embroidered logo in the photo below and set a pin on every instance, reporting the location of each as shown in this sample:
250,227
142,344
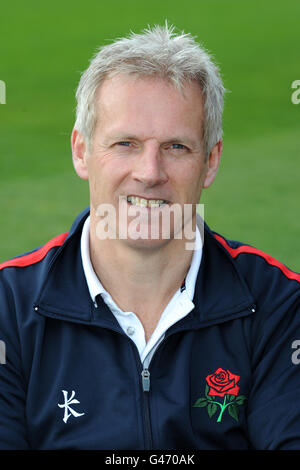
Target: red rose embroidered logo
221,384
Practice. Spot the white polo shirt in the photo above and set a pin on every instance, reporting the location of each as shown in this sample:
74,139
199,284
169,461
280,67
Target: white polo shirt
178,307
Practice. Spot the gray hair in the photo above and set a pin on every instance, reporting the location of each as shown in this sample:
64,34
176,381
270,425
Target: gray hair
155,52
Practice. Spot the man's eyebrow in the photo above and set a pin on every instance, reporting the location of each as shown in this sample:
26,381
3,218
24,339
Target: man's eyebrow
122,136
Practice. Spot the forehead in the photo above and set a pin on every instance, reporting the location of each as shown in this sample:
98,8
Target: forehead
149,102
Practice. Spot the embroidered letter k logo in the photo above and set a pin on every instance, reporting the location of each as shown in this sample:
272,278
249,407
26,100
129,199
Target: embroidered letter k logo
68,410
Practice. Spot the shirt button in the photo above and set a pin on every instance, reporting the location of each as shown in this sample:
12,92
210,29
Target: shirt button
130,330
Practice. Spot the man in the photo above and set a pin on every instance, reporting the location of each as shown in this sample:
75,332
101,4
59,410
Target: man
118,336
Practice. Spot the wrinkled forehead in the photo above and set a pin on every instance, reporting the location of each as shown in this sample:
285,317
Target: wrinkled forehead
149,101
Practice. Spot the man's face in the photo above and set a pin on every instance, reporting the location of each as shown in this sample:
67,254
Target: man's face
147,151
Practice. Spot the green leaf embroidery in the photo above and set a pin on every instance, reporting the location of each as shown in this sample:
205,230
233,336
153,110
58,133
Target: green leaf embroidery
241,399
211,409
200,403
233,410
231,397
209,397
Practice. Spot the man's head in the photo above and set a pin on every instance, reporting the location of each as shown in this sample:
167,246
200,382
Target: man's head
156,52
149,127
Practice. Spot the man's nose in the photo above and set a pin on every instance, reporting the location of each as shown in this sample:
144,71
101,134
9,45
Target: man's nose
149,166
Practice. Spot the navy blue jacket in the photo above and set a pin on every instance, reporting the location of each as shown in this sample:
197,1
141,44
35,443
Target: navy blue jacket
223,378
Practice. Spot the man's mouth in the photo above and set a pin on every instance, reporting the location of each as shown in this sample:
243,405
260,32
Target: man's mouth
141,202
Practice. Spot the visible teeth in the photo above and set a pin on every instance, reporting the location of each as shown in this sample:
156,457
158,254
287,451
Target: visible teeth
141,202
154,203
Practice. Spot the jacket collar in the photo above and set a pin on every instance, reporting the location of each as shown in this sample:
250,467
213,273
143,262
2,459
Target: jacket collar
221,292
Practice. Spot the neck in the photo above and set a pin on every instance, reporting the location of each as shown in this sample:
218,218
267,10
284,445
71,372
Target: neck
141,280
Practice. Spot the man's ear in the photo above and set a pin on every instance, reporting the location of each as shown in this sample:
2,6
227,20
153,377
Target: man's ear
213,163
79,153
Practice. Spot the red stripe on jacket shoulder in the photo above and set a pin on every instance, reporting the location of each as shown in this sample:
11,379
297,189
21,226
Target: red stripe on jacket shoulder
234,252
36,256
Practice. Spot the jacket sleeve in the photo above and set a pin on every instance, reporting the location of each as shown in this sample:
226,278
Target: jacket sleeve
274,401
12,384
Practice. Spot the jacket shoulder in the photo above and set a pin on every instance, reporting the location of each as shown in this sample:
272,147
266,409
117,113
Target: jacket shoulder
21,279
36,255
248,256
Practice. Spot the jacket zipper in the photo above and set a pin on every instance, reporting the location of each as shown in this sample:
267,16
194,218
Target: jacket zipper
146,408
146,380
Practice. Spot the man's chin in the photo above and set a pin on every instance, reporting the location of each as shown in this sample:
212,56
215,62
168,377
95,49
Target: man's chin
150,244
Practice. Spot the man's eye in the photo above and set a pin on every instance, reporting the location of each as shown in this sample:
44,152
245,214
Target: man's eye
124,143
178,147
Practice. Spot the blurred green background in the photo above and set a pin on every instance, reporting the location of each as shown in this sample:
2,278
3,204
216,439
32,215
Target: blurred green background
45,46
